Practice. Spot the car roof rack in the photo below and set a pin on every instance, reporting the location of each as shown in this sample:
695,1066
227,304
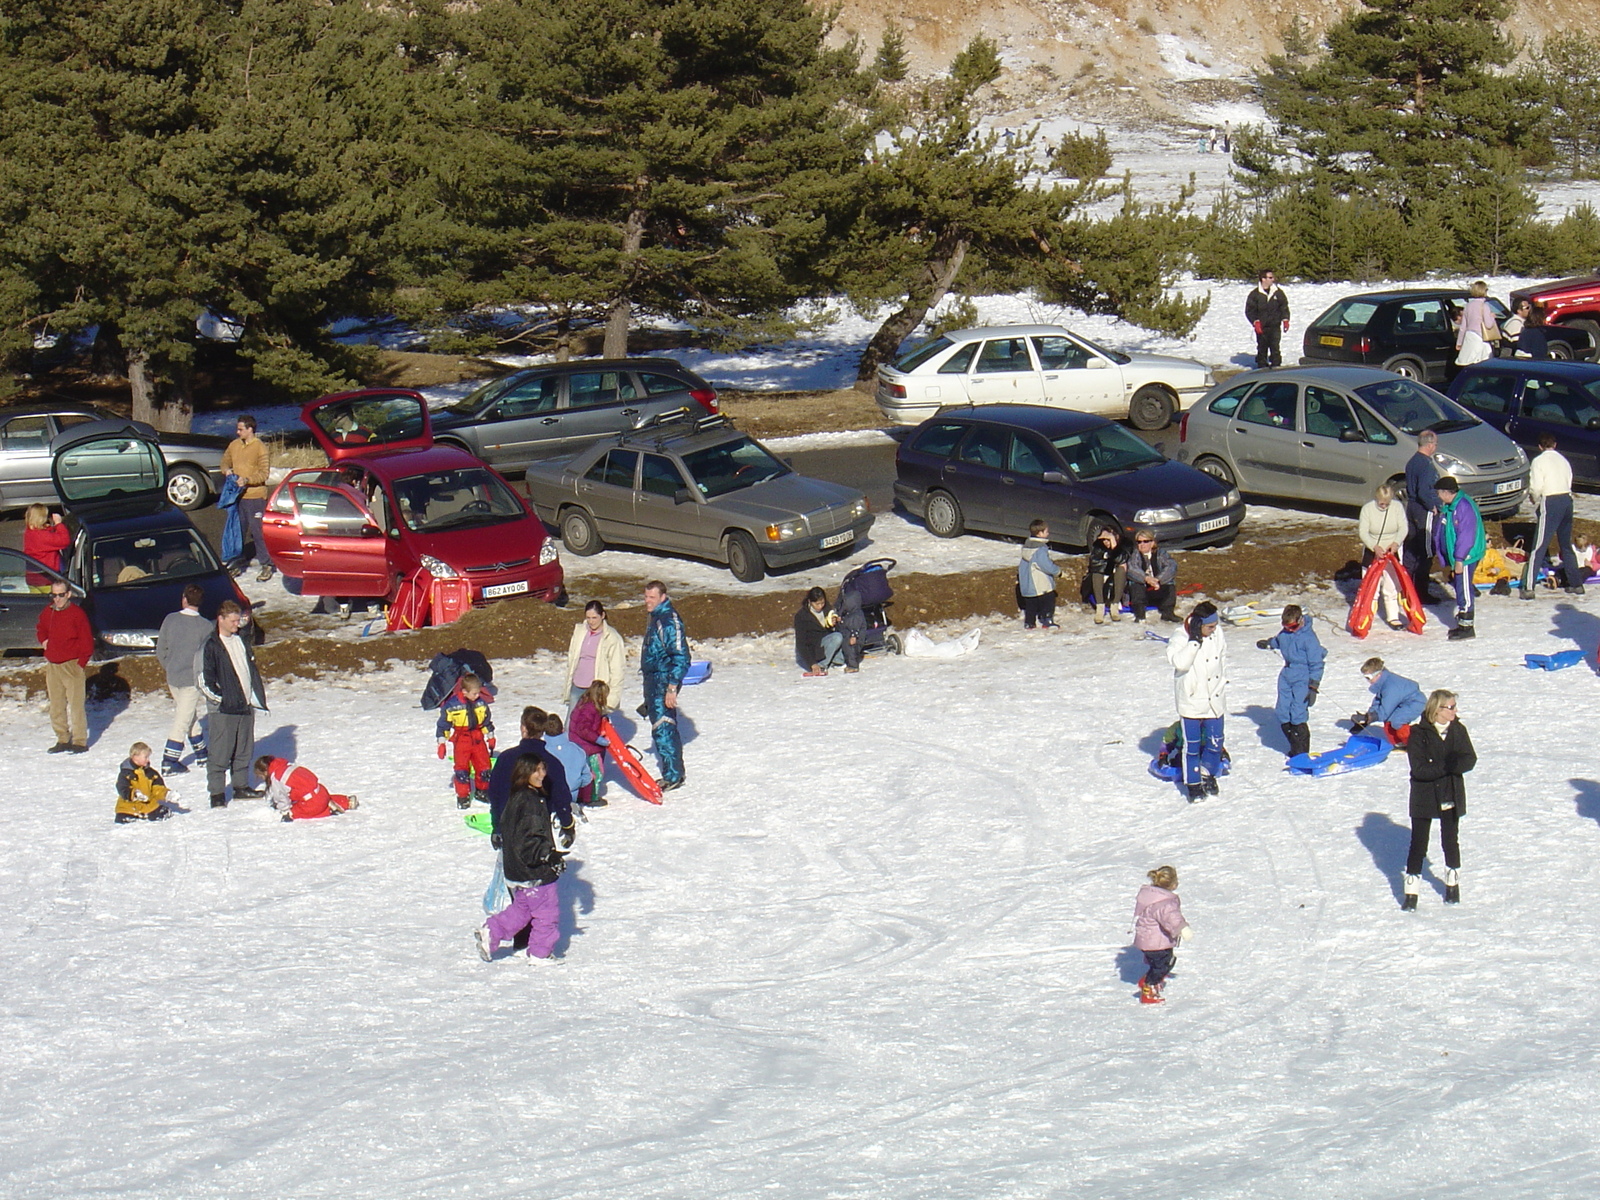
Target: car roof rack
676,423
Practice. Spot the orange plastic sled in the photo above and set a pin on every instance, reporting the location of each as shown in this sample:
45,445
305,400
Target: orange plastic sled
621,754
1360,620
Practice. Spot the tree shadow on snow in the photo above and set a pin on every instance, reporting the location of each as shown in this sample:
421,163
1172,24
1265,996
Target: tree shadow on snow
280,743
1130,964
1579,627
576,895
1388,844
1587,801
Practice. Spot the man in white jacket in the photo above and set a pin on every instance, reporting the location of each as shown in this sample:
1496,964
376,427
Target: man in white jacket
1199,658
1550,489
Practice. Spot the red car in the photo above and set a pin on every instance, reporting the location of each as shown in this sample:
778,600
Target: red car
392,504
1573,302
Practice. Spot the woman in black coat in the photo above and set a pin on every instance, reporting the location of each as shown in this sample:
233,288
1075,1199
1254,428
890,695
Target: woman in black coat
818,641
1108,573
1441,753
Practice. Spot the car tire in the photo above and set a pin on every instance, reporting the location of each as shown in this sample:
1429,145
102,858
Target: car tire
1151,408
1592,328
1407,368
1560,351
893,644
1217,469
187,488
1398,485
942,515
1093,526
744,559
578,534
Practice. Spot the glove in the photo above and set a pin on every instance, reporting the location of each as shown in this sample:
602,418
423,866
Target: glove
1192,628
1264,644
494,840
602,741
491,741
1311,694
443,747
1359,721
1257,325
1185,934
569,835
1286,325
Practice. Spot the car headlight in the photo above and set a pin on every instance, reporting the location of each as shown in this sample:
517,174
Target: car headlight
1451,465
1522,457
143,641
438,568
1157,516
1231,498
547,552
859,509
1211,379
785,530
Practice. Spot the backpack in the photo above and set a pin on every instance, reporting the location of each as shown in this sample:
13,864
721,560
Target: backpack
446,669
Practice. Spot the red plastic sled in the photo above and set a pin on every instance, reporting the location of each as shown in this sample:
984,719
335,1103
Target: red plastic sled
628,763
1360,620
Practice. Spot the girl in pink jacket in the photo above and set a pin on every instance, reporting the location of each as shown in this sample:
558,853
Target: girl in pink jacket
1158,925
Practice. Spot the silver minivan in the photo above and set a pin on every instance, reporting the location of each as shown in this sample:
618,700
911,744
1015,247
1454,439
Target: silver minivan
1333,434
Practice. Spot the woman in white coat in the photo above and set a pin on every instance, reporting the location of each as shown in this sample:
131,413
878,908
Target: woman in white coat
1383,529
595,653
1199,658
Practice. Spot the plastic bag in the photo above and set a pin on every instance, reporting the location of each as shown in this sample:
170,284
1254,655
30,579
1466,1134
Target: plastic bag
920,645
497,896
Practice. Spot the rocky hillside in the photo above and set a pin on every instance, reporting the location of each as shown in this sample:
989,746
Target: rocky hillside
1128,60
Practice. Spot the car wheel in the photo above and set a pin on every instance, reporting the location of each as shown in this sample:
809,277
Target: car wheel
1217,469
1560,351
187,488
744,560
1592,328
578,533
1398,486
1407,368
893,644
1151,408
943,516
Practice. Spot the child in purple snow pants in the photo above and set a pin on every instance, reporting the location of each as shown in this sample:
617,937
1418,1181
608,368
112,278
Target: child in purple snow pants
536,909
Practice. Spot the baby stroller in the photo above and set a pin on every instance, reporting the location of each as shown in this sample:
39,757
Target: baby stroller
864,600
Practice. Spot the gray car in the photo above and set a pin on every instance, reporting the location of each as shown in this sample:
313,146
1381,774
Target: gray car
557,409
194,460
1333,434
700,488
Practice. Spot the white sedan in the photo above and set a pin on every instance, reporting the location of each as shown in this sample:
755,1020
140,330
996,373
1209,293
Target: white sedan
1038,364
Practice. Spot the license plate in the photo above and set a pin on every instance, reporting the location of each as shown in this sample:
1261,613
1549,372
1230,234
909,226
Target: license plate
837,539
505,589
1213,523
1510,485
1330,341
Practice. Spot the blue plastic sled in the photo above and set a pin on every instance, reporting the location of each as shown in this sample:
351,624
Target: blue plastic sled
1552,662
699,671
1172,771
1359,751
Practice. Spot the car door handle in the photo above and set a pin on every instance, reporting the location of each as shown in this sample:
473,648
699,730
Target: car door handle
312,546
630,412
1309,445
1052,376
549,420
1236,429
1007,479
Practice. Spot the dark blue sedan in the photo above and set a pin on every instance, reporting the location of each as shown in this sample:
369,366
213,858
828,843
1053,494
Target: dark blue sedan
1527,398
998,467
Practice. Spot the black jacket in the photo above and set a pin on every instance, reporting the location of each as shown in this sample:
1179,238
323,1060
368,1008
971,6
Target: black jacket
1269,310
557,794
809,632
528,853
1437,765
1104,560
216,678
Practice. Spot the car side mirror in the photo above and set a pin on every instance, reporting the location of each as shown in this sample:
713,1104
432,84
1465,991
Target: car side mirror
1054,477
1351,435
370,530
683,496
1097,364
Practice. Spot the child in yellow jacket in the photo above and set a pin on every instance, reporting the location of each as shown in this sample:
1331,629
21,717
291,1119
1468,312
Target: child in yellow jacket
141,794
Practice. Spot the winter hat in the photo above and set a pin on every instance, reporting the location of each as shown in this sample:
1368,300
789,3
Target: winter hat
1206,613
1447,483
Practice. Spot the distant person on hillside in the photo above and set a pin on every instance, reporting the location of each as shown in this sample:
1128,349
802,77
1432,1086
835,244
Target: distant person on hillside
1267,310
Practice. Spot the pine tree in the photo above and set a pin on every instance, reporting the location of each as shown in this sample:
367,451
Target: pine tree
1567,69
891,64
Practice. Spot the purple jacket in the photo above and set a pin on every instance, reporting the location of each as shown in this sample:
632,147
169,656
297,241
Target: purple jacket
583,727
1463,515
1157,918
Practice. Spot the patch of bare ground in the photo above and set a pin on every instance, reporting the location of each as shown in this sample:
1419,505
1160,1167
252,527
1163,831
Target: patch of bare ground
786,414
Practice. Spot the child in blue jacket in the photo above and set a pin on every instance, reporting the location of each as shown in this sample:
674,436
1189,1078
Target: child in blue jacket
1303,656
1397,703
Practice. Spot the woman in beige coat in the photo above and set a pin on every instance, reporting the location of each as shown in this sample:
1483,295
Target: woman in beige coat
1382,530
595,653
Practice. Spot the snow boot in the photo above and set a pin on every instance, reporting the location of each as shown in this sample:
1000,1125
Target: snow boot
1452,887
1209,783
1149,993
463,801
1304,732
1197,793
1409,904
218,800
1463,630
486,947
1099,617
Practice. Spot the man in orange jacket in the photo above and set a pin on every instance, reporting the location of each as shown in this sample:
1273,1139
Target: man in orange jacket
63,631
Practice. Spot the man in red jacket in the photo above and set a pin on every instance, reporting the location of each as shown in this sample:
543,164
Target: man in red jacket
63,631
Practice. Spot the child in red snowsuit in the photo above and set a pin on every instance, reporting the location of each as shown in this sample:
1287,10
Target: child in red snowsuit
465,726
297,793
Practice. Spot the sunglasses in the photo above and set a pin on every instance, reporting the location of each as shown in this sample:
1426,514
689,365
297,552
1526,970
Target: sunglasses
1146,541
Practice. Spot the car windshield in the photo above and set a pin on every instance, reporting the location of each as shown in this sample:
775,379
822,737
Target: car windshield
729,466
475,401
1116,356
131,560
1108,450
1412,407
462,498
1347,314
915,358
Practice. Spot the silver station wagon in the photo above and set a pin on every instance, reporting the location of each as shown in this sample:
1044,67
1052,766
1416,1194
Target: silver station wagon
1333,434
700,488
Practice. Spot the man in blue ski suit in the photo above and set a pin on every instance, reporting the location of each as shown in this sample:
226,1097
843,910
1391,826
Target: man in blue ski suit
1303,656
665,661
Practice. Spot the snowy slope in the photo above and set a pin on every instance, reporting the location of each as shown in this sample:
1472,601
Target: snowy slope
877,947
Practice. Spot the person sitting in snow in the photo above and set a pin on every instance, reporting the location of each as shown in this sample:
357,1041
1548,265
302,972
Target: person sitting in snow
1397,703
466,727
1303,657
297,793
141,794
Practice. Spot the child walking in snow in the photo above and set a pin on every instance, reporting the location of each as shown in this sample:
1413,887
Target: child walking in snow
584,730
1303,656
1036,579
1158,925
297,793
141,794
466,727
532,863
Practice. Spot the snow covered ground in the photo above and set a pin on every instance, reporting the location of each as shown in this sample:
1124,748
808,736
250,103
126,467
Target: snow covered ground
877,947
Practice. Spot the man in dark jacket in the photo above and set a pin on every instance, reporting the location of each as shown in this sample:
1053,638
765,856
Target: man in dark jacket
555,776
225,672
1267,310
1422,502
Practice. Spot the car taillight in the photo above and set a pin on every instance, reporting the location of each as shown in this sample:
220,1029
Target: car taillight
706,397
1183,428
895,391
1364,346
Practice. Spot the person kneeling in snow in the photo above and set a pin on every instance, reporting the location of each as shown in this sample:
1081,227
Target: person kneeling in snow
141,794
297,793
1397,703
1303,656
